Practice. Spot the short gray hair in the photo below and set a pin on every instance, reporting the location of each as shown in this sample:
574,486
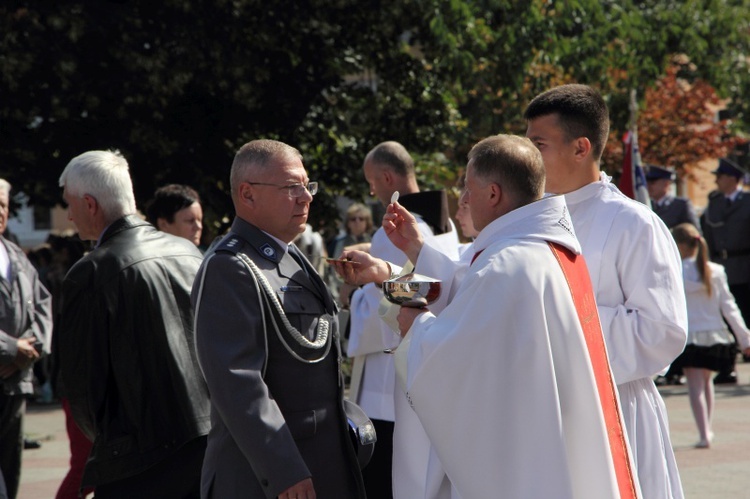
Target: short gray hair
105,176
258,154
5,186
513,162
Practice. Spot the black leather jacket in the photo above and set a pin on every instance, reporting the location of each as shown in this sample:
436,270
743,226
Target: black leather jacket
127,354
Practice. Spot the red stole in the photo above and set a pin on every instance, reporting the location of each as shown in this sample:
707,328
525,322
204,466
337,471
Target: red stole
577,276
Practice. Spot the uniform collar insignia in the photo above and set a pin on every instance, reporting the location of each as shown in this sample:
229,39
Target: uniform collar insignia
268,251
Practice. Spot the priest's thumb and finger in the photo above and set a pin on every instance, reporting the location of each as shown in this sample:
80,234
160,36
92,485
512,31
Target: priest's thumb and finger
403,231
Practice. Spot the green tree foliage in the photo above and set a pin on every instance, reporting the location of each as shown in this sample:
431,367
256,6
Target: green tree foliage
179,85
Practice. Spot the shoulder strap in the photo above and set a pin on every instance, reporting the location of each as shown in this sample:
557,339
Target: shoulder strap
260,305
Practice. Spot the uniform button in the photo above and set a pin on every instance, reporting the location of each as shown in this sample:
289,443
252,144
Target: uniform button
264,482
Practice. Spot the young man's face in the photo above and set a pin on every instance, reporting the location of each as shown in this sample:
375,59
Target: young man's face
658,188
727,184
557,152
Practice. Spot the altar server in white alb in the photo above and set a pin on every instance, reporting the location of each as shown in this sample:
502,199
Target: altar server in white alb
498,434
635,270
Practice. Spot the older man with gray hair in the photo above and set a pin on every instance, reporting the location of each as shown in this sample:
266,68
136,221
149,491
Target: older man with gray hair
126,343
25,333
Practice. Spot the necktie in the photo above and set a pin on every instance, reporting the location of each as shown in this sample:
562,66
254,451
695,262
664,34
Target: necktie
294,252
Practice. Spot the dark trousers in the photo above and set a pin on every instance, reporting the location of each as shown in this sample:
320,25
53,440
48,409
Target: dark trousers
177,477
12,408
741,293
377,475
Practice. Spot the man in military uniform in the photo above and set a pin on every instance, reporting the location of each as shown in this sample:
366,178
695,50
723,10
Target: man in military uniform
726,224
672,210
267,342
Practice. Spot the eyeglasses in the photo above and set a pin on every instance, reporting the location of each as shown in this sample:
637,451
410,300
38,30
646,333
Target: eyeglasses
357,219
294,190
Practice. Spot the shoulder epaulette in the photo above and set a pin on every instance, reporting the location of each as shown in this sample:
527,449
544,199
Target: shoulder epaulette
230,244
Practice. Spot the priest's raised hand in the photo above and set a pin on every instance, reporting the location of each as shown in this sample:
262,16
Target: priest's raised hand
401,228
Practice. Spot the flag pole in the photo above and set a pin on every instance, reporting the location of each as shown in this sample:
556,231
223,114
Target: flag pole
635,185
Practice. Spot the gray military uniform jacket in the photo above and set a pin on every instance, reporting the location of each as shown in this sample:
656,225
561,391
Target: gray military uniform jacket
726,228
25,312
276,401
674,211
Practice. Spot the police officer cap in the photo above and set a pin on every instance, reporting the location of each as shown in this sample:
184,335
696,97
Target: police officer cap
729,167
654,172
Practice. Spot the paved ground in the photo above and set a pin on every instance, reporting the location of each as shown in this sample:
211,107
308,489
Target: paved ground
717,473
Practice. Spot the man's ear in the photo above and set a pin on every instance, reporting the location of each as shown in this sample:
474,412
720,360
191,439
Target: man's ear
496,194
387,176
92,205
161,223
246,194
582,147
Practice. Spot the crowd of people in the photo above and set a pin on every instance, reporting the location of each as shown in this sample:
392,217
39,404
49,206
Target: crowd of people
188,370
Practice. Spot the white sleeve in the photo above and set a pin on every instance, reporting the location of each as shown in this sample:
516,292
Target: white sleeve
729,308
641,299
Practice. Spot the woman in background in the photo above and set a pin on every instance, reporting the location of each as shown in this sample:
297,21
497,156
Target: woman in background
709,341
359,228
176,209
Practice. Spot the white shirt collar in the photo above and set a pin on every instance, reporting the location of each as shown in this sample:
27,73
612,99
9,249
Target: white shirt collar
284,246
733,196
4,262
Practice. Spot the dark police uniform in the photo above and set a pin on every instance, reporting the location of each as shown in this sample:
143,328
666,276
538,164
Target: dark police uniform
672,210
276,399
726,228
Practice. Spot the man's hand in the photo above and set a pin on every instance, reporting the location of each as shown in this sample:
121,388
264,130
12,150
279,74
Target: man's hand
401,228
26,354
406,317
300,490
25,357
746,352
364,269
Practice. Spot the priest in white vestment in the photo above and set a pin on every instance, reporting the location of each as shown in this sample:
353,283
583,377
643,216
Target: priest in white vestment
497,433
635,270
388,168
